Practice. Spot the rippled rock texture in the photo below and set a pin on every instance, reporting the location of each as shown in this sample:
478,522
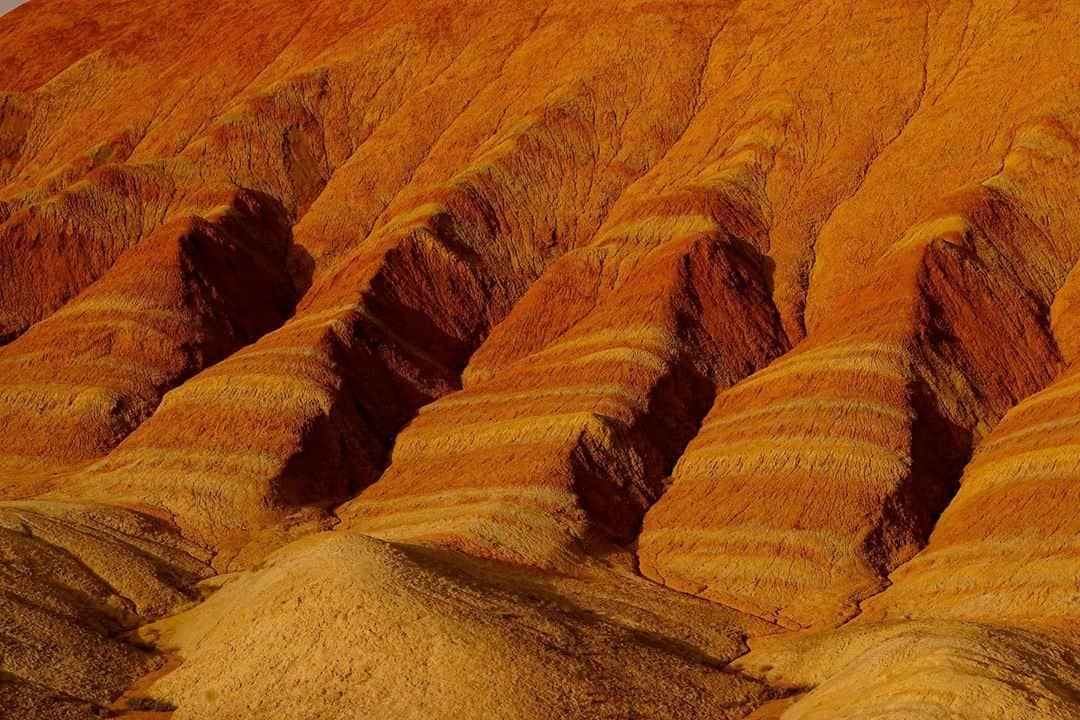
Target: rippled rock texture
538,358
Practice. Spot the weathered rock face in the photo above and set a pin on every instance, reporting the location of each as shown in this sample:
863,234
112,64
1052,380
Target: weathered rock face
921,669
773,304
873,416
72,578
185,297
581,434
1005,549
406,633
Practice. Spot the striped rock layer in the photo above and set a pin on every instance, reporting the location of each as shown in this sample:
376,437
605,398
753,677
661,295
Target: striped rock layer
188,295
771,304
873,416
1015,567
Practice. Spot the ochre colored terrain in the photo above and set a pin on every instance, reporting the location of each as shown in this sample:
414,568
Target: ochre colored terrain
540,359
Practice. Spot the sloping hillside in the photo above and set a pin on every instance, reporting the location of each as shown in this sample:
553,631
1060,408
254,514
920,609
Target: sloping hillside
540,358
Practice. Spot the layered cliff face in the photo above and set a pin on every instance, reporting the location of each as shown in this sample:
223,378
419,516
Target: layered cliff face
587,344
186,296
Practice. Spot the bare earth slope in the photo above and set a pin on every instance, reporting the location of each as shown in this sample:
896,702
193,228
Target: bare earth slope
540,358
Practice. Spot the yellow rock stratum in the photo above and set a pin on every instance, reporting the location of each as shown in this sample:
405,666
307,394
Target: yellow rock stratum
540,359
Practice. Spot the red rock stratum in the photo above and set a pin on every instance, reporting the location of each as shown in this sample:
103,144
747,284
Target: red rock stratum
540,359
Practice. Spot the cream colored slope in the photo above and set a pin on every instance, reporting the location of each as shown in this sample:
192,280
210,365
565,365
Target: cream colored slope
922,671
72,578
339,625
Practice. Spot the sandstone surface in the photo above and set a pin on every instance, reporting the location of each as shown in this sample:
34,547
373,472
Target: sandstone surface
540,358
